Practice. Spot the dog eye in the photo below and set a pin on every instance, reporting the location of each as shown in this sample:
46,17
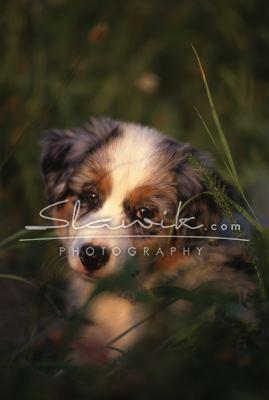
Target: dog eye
145,212
90,198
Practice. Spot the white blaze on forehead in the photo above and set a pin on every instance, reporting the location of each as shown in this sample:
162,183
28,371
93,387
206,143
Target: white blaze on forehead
133,158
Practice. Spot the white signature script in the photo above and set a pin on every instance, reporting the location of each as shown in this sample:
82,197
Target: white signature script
105,222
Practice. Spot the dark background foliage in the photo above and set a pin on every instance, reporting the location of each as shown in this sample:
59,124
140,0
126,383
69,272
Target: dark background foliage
63,61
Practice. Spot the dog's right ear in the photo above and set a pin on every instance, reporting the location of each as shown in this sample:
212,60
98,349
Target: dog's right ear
61,151
64,150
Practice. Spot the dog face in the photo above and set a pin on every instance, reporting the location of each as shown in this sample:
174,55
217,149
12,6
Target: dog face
123,184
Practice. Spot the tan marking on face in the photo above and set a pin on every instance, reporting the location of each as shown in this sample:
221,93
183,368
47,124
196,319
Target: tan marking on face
143,193
93,173
161,199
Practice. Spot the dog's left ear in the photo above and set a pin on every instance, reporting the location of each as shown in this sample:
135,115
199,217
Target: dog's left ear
189,166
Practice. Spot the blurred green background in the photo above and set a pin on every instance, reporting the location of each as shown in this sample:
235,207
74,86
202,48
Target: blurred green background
64,61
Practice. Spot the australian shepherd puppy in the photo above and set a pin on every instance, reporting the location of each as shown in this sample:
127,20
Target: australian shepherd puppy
121,190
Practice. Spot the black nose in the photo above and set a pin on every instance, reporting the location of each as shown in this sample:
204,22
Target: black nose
93,257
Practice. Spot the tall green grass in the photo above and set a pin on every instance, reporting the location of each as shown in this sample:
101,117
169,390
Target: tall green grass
220,142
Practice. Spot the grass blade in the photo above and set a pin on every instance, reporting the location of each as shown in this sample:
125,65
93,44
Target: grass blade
223,141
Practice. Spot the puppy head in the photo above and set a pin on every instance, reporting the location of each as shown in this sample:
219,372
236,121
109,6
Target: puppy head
120,185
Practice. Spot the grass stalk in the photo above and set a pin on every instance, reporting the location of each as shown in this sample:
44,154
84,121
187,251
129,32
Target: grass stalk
229,163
